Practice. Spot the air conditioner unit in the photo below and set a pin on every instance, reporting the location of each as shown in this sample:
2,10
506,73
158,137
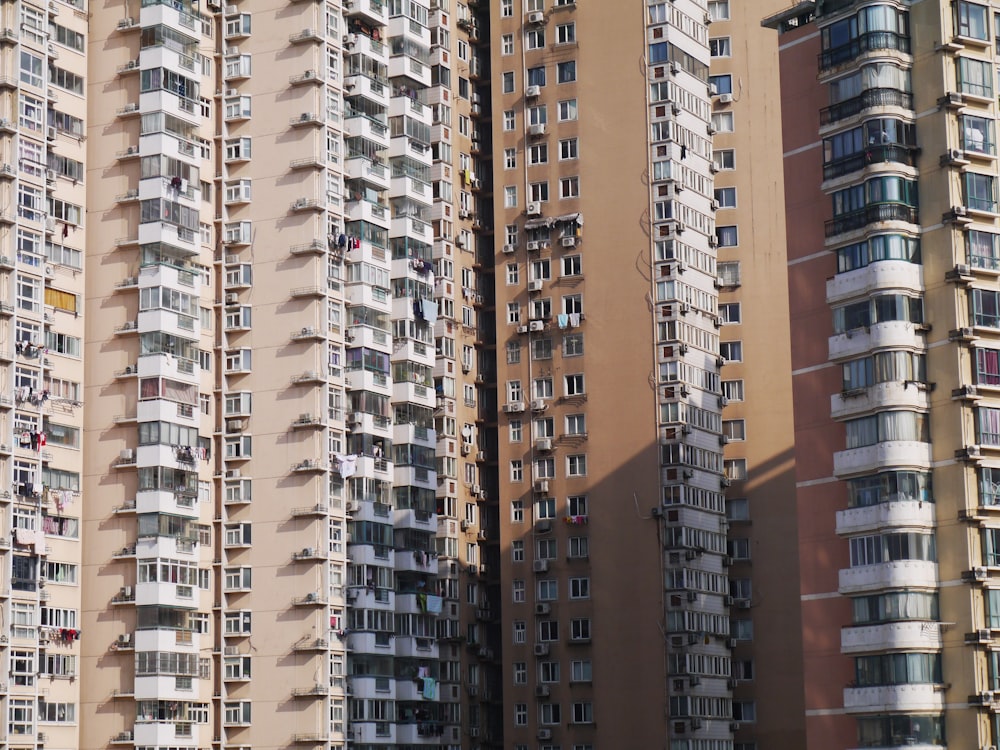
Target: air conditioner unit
463,214
540,566
515,407
232,92
532,92
127,454
51,133
542,691
568,242
534,209
536,16
522,329
124,639
533,246
545,734
541,649
537,129
539,404
232,298
542,486
234,425
233,474
543,444
535,285
232,50
480,455
543,609
509,249
725,98
536,325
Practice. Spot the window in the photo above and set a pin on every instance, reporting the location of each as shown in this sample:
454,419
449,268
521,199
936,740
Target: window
566,33
510,196
569,187
545,507
977,134
726,197
722,122
517,511
538,154
581,671
509,158
548,590
735,469
579,548
566,71
718,10
576,424
520,714
574,385
509,120
538,191
576,465
568,149
731,351
507,44
31,70
971,20
536,76
516,470
534,38
579,629
730,312
507,82
734,429
507,11
583,713
538,115
721,84
513,313
729,273
975,77
519,591
567,110
573,345
728,236
744,711
980,192
546,549
549,713
720,47
579,588
520,632
517,551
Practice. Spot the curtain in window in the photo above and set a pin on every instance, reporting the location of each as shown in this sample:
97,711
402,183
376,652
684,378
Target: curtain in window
988,423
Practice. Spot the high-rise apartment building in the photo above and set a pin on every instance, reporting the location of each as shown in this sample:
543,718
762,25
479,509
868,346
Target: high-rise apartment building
640,313
890,172
43,162
435,377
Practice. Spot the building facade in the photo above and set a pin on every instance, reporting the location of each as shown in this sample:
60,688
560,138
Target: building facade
891,213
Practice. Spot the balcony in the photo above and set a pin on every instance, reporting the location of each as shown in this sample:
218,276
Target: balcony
870,99
899,453
917,574
906,513
885,698
907,394
873,214
883,274
887,636
892,334
873,41
877,154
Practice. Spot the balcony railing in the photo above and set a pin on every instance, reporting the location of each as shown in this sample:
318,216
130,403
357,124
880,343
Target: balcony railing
875,154
866,100
873,40
869,215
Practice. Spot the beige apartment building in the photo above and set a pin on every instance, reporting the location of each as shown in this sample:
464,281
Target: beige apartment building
395,374
891,206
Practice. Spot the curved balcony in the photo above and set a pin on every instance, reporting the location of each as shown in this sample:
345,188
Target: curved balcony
916,574
882,698
882,274
907,394
901,453
895,334
910,514
869,99
875,213
873,41
876,154
886,636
